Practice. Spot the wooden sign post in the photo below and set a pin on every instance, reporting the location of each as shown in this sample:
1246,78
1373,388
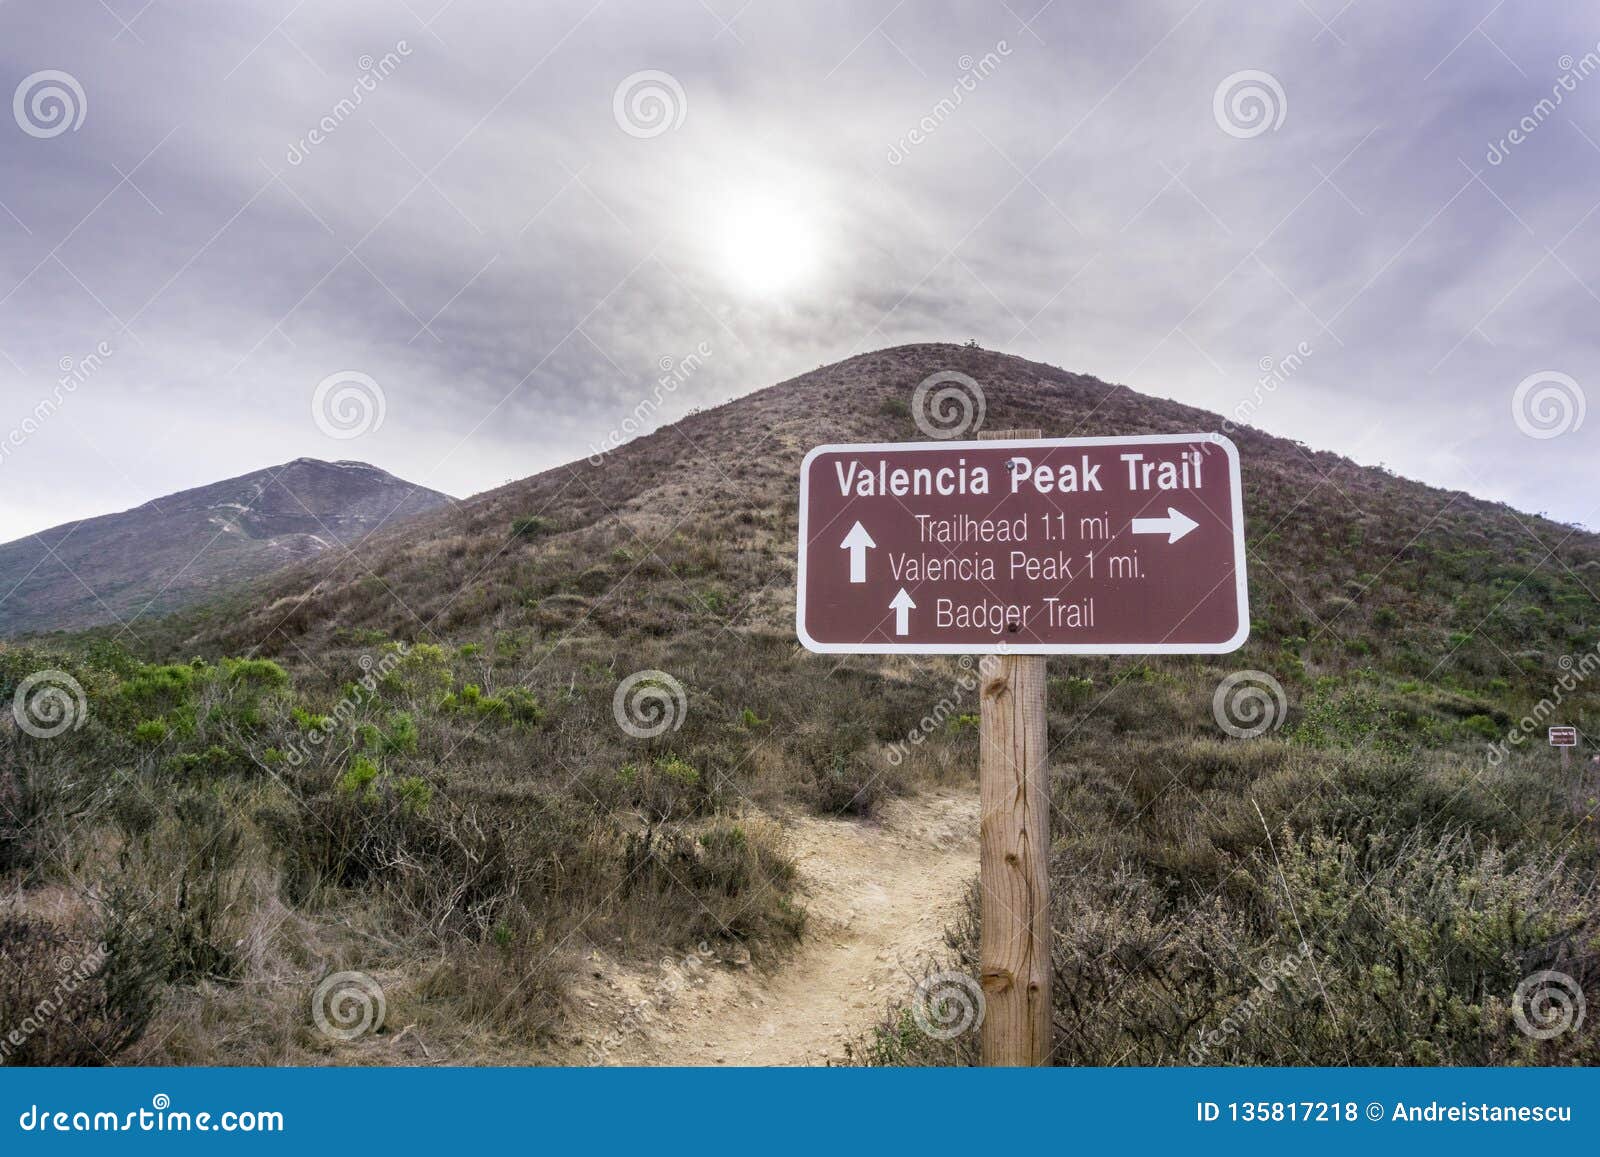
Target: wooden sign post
1566,738
1014,547
1014,855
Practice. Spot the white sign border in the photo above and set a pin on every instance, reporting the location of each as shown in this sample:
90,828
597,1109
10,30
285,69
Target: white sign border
1000,646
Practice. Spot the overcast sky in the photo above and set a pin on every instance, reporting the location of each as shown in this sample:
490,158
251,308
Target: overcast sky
506,229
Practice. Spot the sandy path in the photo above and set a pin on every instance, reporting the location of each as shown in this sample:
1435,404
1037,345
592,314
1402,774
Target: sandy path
878,898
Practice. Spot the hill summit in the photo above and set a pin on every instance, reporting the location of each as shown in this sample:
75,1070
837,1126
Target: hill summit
170,552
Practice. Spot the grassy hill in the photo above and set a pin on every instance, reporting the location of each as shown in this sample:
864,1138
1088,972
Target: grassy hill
571,712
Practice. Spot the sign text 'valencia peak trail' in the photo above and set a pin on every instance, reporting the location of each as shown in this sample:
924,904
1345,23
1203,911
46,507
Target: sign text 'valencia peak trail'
1128,545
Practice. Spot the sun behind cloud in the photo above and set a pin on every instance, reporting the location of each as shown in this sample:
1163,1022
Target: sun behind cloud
766,245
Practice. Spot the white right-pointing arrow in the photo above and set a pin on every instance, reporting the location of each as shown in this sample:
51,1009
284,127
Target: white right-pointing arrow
857,542
1175,525
902,606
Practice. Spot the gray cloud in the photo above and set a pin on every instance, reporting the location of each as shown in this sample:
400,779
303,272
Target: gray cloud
478,234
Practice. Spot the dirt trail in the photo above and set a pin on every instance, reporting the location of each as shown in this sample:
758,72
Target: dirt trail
878,897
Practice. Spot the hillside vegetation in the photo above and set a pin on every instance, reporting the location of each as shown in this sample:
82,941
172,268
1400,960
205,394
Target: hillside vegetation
410,760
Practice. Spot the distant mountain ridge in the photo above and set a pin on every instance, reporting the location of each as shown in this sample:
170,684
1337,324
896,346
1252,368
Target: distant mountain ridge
173,551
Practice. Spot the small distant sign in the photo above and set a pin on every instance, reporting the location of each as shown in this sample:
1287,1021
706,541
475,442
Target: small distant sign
1563,737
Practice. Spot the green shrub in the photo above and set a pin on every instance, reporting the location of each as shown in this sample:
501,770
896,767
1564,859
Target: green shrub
214,761
261,674
1342,715
403,733
422,674
414,793
159,690
306,721
359,779
513,706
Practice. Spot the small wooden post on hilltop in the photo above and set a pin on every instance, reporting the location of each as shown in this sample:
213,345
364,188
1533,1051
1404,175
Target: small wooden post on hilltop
1014,854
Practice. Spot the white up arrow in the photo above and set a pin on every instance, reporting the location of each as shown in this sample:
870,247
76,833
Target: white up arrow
857,542
1175,525
901,606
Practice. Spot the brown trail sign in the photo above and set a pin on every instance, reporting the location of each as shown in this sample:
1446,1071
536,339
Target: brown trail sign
1024,546
1020,547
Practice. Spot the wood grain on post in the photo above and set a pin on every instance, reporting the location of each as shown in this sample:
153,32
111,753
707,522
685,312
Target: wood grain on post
1014,864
